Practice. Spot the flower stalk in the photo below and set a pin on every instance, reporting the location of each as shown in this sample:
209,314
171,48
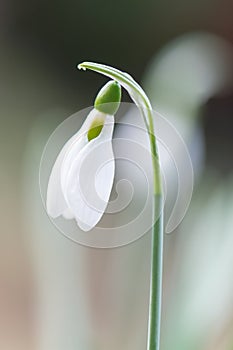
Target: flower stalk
141,100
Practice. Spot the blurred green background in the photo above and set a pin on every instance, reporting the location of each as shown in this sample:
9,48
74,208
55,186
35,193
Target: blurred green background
56,295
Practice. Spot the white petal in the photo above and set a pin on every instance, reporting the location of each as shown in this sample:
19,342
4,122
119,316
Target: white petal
87,177
67,214
55,202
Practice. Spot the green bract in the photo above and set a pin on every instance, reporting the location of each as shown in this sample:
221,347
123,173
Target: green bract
109,97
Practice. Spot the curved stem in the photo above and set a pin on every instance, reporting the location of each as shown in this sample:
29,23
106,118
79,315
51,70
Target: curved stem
141,100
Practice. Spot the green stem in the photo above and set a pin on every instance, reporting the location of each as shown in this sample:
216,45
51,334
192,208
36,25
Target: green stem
156,273
155,302
140,98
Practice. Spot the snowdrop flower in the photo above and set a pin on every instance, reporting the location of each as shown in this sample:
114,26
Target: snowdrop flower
87,154
64,195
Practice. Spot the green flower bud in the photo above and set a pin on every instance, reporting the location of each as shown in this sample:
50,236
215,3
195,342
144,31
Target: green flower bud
109,98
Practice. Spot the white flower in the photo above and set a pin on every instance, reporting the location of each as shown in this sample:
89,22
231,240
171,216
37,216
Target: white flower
82,177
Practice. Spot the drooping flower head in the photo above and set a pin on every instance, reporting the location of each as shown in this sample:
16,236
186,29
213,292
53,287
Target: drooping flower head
86,155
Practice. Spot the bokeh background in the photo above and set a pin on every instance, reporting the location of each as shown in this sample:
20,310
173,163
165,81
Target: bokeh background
55,294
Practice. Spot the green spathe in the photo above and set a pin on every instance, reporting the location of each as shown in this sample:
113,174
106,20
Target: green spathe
108,98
